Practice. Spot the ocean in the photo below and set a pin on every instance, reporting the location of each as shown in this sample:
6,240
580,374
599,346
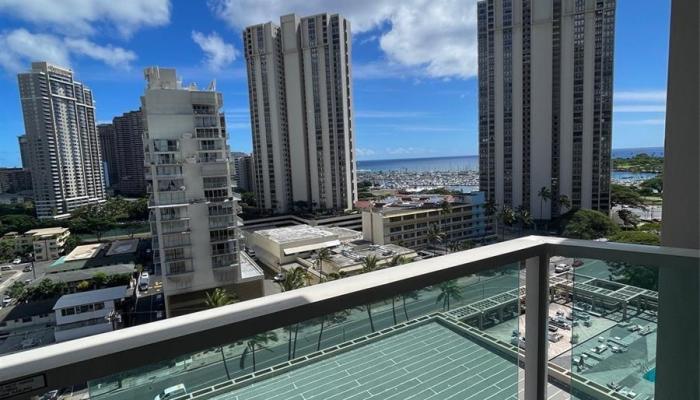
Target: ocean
466,163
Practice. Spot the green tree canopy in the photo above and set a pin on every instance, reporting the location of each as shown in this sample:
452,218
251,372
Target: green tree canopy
589,224
625,195
637,237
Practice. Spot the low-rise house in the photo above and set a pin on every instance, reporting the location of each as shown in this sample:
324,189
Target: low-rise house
88,313
407,220
46,243
22,315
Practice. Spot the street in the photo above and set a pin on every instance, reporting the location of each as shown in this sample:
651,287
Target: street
8,278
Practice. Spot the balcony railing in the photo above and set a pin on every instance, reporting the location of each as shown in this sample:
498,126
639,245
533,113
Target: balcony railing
459,325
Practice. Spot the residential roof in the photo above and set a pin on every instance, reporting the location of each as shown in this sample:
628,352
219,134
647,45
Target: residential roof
249,269
101,259
22,310
293,233
46,231
83,274
93,296
84,252
123,247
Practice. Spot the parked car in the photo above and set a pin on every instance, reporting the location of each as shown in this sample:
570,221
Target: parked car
17,261
6,300
6,268
171,392
279,277
144,281
559,268
28,268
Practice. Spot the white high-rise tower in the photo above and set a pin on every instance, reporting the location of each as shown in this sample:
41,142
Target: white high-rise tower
545,102
300,92
193,208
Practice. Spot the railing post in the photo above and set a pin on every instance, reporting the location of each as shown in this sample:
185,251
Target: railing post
537,305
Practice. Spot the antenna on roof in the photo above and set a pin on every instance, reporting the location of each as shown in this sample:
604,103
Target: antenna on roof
212,86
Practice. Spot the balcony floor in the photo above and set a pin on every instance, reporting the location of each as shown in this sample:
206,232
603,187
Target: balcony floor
426,361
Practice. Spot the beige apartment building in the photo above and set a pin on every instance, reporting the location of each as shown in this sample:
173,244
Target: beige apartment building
406,220
300,95
46,243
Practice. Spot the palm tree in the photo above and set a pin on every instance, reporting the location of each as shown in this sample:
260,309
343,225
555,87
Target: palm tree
467,244
333,318
322,256
545,194
564,201
490,208
507,217
448,290
522,215
258,341
293,279
369,264
413,295
435,235
445,207
219,297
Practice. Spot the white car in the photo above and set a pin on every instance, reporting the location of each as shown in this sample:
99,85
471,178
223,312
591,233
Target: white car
17,261
171,392
144,281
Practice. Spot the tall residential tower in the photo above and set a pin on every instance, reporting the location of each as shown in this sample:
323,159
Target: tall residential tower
545,102
193,210
64,150
300,92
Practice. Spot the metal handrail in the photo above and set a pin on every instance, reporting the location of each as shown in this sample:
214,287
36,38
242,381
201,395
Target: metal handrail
93,357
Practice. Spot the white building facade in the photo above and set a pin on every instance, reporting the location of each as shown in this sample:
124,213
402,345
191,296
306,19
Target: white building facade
545,102
300,92
62,141
193,209
88,313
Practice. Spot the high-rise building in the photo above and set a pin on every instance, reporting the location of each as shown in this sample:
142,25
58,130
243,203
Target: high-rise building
300,92
13,180
65,156
193,210
129,140
108,147
24,151
545,102
243,176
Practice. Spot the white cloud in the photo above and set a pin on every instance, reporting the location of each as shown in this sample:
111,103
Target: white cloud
20,47
83,17
435,39
113,56
407,150
218,54
639,108
362,152
641,95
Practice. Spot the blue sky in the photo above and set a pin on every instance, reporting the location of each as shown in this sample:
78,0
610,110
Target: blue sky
414,64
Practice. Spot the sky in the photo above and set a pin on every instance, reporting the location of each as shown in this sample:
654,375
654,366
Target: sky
414,64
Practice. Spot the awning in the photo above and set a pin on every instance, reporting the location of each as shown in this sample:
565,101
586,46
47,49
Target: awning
311,247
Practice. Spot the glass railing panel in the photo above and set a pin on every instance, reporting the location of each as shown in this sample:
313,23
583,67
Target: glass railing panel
448,339
606,315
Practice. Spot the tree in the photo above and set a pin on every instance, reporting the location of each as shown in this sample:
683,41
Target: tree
625,195
7,249
83,286
637,237
655,184
523,217
448,290
545,194
294,279
564,202
258,341
16,290
219,297
322,256
99,279
397,260
589,224
332,318
435,235
72,242
507,217
490,208
18,223
628,217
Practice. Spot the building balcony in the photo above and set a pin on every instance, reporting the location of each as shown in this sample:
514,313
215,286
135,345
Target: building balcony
464,325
